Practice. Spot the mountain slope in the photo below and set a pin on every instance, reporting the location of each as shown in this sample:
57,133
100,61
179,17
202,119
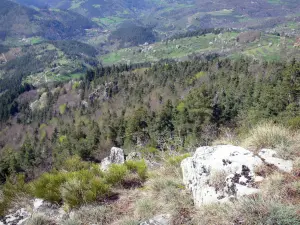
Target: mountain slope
176,15
17,22
48,62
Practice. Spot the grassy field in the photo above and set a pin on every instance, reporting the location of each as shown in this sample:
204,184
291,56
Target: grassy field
172,49
269,47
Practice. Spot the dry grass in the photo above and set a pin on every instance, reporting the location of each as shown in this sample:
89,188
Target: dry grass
248,210
276,136
92,214
296,167
268,135
274,186
146,208
265,170
258,210
227,137
213,214
218,179
39,220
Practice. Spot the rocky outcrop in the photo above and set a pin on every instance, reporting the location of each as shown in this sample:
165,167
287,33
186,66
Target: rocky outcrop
38,207
270,156
18,217
116,157
134,156
225,172
104,92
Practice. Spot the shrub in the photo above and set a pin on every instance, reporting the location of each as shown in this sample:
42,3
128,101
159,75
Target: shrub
176,160
75,85
138,167
14,187
48,186
74,164
62,109
149,152
115,174
83,188
294,123
74,188
13,190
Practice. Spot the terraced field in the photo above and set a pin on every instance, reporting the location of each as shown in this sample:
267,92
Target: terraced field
268,47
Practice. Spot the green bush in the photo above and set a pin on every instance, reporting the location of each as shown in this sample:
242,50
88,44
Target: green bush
48,186
79,190
80,185
176,160
294,123
13,188
73,188
74,164
138,167
149,152
116,174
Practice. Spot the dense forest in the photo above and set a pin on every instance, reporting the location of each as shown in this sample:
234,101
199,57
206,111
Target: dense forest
132,35
150,108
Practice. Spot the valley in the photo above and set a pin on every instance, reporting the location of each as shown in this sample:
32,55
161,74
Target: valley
129,32
143,112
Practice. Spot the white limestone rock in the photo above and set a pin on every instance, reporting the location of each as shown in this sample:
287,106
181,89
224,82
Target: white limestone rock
37,203
134,156
235,166
116,157
105,163
19,217
270,156
236,162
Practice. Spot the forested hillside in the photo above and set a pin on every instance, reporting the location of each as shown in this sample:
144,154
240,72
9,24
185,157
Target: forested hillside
151,108
19,22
